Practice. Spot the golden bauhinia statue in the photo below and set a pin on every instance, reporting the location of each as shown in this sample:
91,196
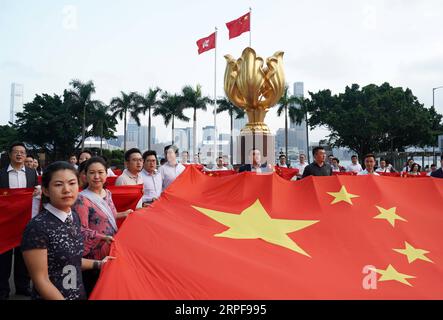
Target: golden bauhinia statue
254,87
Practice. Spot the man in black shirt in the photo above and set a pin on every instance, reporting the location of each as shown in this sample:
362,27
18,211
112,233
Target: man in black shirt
438,173
319,167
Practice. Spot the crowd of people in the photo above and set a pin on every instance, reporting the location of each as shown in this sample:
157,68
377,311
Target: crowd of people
72,234
326,165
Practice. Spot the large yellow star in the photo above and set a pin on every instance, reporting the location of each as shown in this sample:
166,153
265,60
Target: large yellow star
413,253
389,215
255,223
391,274
342,195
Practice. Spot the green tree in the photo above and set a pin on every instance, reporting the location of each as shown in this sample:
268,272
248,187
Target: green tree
171,107
48,124
193,98
148,103
8,135
224,104
121,106
80,98
374,118
288,104
103,123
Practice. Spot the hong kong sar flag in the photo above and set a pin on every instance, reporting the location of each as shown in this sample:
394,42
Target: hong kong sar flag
206,44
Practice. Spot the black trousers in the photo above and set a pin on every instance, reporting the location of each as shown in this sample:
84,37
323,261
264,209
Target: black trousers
90,278
21,276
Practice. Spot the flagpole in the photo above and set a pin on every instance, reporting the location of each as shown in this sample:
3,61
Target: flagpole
215,99
250,26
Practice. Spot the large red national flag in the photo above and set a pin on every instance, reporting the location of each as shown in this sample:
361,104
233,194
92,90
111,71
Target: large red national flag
15,213
238,26
251,236
206,44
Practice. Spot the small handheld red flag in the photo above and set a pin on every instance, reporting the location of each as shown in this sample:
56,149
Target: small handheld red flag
238,26
206,44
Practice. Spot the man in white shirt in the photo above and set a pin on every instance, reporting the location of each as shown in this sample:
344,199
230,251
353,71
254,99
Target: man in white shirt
152,179
383,167
15,176
73,161
134,165
282,161
171,169
408,166
220,165
369,161
354,166
301,165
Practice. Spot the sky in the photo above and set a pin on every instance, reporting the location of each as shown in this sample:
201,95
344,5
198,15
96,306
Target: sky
134,45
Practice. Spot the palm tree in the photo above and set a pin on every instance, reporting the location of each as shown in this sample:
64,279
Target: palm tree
288,104
225,104
171,107
104,124
121,106
147,103
192,98
80,95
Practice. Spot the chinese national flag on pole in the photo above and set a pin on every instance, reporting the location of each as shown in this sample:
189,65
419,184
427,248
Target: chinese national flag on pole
258,236
206,44
238,26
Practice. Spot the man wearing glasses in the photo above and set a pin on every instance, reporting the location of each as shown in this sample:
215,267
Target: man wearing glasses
16,175
134,165
152,178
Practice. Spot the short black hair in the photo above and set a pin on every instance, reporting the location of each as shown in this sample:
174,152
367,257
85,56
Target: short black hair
85,151
220,157
336,159
441,158
48,173
16,144
369,155
354,156
30,156
170,146
282,156
433,165
331,155
72,155
148,153
315,150
131,151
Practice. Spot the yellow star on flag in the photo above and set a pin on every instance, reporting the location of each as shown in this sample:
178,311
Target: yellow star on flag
342,195
389,215
391,274
255,223
413,253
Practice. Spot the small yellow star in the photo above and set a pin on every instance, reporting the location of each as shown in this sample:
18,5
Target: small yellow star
342,195
255,223
389,215
391,274
413,253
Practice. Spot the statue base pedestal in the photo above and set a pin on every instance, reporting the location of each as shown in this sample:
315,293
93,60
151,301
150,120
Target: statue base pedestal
261,141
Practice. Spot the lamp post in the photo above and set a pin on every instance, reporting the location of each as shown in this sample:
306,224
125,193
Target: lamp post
434,160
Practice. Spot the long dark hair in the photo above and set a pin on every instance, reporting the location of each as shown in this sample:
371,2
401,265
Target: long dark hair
48,173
